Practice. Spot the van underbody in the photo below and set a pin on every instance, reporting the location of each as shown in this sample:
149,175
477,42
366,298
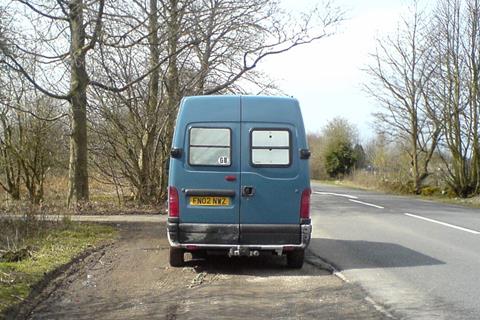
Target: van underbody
238,240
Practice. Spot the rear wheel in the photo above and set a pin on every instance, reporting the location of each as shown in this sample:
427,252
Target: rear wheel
295,258
176,257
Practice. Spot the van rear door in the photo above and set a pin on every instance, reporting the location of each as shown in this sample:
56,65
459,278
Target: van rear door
209,181
272,176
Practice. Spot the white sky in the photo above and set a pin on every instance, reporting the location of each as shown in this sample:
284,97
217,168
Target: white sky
327,76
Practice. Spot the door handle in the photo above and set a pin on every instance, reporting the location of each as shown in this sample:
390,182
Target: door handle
248,191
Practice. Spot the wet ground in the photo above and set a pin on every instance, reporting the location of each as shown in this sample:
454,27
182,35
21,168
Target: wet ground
131,279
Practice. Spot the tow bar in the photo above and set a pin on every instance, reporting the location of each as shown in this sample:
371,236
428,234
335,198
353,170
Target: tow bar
242,251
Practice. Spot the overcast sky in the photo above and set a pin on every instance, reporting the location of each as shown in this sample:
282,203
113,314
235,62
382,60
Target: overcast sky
327,76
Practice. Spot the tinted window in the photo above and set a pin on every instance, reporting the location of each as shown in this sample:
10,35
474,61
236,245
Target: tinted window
210,147
270,147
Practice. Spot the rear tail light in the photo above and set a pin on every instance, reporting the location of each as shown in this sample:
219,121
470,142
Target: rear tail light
305,204
173,205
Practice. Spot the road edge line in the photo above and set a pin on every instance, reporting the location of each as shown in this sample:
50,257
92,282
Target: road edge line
323,193
379,307
325,265
445,224
367,204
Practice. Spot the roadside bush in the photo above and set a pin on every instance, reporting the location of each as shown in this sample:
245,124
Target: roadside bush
339,159
383,181
429,191
16,229
333,154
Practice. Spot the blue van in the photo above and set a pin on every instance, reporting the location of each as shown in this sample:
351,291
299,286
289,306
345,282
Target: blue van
239,179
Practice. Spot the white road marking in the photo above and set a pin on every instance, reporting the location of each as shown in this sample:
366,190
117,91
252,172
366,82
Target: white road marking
442,223
379,308
336,194
340,275
367,204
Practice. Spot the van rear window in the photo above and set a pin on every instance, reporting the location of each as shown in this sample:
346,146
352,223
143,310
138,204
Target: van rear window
270,148
210,147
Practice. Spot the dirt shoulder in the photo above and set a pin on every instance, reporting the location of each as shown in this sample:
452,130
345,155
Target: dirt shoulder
131,279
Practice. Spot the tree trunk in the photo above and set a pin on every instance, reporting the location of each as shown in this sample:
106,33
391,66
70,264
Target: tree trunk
173,90
147,179
11,164
474,8
78,167
414,144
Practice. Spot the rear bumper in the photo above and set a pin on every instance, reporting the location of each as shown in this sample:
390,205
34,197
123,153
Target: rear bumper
223,236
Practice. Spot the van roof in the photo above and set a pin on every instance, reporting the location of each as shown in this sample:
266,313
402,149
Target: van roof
232,108
235,97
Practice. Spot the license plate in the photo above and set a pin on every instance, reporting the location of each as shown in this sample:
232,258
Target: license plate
209,201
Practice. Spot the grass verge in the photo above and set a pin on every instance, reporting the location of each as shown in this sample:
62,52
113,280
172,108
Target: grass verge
472,202
56,245
346,183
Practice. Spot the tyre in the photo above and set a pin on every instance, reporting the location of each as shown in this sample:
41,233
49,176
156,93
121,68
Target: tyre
176,257
295,259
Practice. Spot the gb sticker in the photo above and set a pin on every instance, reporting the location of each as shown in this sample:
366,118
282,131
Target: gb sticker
224,161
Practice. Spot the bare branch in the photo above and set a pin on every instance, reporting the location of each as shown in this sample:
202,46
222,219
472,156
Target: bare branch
40,12
98,27
143,76
19,68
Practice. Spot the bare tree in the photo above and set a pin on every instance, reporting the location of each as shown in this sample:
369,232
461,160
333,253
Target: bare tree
472,48
456,89
10,173
400,73
41,144
59,39
130,123
31,138
3,30
9,163
431,74
201,47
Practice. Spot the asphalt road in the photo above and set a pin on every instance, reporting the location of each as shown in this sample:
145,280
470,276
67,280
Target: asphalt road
417,259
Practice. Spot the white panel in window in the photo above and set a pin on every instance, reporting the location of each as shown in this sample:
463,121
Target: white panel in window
271,157
270,138
210,156
210,137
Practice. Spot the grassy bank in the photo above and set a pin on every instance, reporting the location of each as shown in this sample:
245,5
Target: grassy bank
30,248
